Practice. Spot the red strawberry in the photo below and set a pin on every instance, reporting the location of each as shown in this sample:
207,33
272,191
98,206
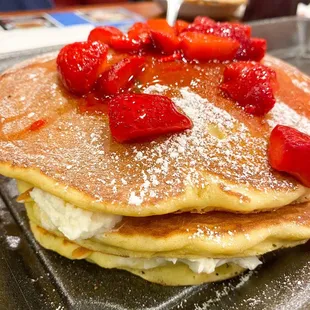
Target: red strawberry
257,49
104,34
119,76
125,44
163,36
140,32
37,125
246,28
241,68
289,151
79,65
180,25
203,20
251,85
250,49
116,39
139,116
175,56
207,47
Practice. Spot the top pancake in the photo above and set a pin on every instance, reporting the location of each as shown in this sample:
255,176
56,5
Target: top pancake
220,164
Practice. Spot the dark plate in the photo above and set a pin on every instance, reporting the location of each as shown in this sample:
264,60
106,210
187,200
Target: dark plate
33,278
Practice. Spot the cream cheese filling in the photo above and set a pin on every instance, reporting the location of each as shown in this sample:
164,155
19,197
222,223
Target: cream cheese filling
76,223
199,265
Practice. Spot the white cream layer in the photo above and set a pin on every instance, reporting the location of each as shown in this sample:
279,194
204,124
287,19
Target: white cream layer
199,265
76,223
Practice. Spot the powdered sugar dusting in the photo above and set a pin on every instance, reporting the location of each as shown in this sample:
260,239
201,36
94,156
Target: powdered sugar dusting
78,150
303,85
284,115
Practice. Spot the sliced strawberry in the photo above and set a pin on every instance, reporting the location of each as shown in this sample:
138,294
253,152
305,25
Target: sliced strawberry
136,117
207,47
203,20
246,28
37,125
140,32
119,76
180,25
163,36
257,49
241,68
289,151
251,85
79,65
125,44
104,34
250,49
175,56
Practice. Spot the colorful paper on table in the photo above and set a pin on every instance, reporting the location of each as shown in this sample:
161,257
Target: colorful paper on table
19,33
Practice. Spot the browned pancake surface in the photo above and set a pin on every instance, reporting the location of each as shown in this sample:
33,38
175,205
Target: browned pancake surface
226,146
213,224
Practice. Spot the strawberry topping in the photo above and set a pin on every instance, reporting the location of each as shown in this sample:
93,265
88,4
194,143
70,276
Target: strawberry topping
180,25
37,125
133,43
79,65
200,46
87,70
203,20
289,151
140,32
104,34
251,85
175,56
125,44
257,49
120,76
139,116
163,35
250,49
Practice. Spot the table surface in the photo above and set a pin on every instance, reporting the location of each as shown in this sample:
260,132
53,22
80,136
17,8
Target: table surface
146,9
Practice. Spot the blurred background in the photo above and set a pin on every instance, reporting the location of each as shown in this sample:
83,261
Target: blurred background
31,24
255,9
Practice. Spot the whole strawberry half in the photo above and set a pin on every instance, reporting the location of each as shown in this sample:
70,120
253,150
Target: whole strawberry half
104,34
249,48
136,117
140,32
119,76
251,85
163,35
180,25
79,65
125,44
205,47
289,151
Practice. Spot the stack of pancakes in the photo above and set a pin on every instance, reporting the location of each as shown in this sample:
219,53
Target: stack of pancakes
184,209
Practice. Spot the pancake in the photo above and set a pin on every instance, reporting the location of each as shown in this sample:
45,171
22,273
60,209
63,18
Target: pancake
166,275
174,249
188,235
220,164
186,248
